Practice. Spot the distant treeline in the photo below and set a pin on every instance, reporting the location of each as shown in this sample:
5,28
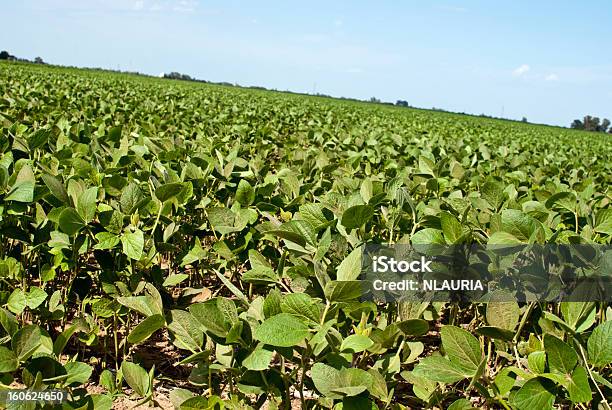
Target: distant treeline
5,55
591,123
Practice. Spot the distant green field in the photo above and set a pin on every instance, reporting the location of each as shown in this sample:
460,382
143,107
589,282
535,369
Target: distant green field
207,239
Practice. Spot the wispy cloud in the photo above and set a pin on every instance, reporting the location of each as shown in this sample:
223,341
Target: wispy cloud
552,77
338,22
521,70
354,70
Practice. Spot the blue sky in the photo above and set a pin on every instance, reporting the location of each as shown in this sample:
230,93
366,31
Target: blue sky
547,60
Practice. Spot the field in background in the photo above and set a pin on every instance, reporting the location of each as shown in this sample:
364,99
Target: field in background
206,239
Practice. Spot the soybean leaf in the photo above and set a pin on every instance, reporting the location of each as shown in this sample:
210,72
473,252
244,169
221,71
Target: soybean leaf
439,369
245,194
578,387
350,267
133,244
137,378
599,346
146,328
356,216
562,357
536,393
462,348
187,331
70,221
282,330
56,187
356,344
167,191
259,359
8,360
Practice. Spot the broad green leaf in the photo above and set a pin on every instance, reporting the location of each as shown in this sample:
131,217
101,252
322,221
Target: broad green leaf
8,321
537,362
451,227
356,216
101,401
301,305
505,380
8,360
579,315
187,331
461,404
133,244
259,359
25,342
562,357
211,317
428,236
522,226
146,328
565,201
106,240
179,396
351,382
137,378
336,384
39,138
578,387
70,221
245,194
503,312
56,187
35,297
223,220
282,330
503,238
462,348
343,291
202,403
272,303
23,189
167,191
439,369
78,373
603,221
131,198
175,279
356,344
86,205
495,333
413,327
493,192
17,301
599,345
350,267
535,394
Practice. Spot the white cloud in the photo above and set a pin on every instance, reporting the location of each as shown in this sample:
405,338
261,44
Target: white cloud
354,70
552,77
519,71
185,5
338,22
138,5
